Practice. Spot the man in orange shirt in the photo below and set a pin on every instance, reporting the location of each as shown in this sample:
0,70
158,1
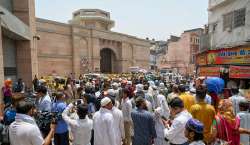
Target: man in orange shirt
188,99
203,112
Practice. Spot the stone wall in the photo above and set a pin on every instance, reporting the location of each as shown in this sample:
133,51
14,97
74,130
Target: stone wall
78,43
54,48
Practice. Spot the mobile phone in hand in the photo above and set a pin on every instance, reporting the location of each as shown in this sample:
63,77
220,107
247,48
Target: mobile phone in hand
78,102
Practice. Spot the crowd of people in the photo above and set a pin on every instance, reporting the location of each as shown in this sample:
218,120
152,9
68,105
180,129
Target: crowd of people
122,111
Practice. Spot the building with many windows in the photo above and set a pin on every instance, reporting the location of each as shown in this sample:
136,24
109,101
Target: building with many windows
228,52
181,52
229,23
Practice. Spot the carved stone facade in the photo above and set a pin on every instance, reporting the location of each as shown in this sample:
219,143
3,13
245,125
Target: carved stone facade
87,44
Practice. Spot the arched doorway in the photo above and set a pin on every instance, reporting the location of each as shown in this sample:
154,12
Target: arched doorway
107,61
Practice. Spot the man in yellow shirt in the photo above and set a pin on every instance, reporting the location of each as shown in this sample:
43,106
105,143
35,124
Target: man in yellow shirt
188,99
203,112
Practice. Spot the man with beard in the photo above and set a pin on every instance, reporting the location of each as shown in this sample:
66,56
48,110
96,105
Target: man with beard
24,131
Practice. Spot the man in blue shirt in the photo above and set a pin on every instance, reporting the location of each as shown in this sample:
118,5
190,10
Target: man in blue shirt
144,125
61,136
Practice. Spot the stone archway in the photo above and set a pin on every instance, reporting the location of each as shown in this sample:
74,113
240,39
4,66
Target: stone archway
107,61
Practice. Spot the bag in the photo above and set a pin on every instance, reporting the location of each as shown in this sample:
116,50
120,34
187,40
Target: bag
4,135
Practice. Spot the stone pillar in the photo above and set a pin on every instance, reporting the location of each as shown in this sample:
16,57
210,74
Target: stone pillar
75,53
127,57
1,71
26,50
95,54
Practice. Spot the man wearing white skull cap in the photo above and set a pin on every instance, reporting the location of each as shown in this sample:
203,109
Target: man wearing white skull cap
103,124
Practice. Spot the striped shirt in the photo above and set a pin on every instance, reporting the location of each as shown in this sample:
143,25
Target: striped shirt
144,127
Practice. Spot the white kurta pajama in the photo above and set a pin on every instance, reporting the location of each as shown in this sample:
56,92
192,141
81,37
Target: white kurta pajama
161,110
104,132
159,127
126,112
118,125
162,103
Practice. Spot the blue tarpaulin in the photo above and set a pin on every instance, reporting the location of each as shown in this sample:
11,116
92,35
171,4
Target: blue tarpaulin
215,84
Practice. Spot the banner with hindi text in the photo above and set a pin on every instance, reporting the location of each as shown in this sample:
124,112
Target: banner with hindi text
239,72
209,71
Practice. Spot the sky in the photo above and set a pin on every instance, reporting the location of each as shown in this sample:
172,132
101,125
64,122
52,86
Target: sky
156,19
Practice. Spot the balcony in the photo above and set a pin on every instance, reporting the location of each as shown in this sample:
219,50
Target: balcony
214,4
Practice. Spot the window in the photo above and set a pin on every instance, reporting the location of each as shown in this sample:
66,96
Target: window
10,71
228,21
239,17
234,19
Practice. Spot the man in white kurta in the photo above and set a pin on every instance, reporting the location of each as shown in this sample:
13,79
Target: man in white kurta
159,127
126,111
104,133
161,111
175,133
162,103
118,125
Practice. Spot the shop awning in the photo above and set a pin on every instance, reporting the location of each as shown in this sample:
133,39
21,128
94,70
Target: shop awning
239,72
209,71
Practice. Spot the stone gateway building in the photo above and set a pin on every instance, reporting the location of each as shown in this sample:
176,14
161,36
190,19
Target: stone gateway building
87,44
32,46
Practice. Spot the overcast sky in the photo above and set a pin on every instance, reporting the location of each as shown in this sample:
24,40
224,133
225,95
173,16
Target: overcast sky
142,18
